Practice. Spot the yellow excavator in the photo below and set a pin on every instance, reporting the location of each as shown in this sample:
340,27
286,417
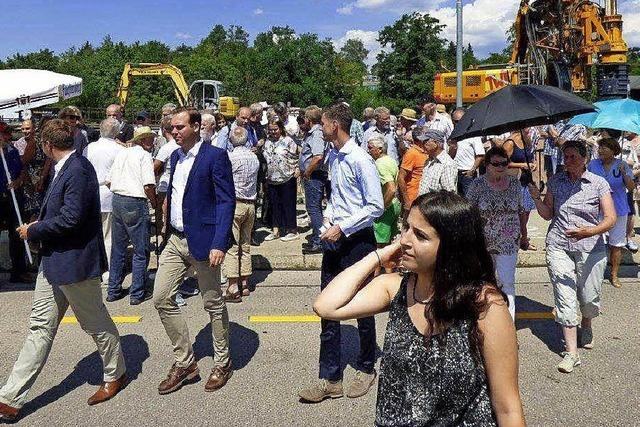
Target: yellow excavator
557,42
201,94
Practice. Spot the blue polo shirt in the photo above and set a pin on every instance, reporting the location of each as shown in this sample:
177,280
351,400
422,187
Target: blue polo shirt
14,164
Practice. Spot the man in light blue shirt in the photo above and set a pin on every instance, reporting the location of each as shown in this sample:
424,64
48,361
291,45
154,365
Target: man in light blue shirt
242,119
383,128
356,201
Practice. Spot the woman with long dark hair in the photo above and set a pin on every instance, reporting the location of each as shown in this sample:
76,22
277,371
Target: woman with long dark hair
450,352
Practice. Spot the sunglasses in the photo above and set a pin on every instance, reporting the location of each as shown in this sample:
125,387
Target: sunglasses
71,117
499,164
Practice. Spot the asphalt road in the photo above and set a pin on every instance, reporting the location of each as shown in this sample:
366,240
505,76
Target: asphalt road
274,360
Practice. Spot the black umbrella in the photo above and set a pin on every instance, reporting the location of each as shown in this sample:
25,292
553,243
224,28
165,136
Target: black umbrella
517,107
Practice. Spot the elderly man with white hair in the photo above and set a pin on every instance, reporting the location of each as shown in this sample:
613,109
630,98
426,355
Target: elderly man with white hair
208,128
386,226
101,154
237,263
383,128
440,171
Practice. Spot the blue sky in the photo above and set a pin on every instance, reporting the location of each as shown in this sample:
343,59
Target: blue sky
30,25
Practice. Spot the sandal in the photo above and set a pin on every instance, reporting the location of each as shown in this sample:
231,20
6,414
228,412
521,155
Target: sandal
233,297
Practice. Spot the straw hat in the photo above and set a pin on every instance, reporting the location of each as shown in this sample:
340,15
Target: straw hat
409,114
141,132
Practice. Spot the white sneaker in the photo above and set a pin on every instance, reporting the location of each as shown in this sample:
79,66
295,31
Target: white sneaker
569,362
271,237
289,237
632,246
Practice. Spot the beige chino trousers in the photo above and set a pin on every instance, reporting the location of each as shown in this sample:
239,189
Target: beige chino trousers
49,306
237,263
174,262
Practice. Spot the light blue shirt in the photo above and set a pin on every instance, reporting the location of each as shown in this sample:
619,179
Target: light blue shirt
223,141
356,195
313,144
392,148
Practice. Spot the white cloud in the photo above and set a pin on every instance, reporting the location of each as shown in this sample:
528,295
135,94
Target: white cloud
258,11
396,6
183,36
347,9
630,11
484,24
368,38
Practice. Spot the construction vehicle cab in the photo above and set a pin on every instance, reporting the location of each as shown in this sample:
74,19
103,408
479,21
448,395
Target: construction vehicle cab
206,94
201,94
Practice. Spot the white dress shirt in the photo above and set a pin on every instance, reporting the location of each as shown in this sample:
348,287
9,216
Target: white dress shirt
101,154
131,171
467,151
58,167
181,172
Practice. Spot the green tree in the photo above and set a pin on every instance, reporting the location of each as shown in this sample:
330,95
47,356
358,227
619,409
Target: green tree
354,51
414,51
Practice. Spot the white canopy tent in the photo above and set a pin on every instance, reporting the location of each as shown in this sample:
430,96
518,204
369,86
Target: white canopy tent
24,89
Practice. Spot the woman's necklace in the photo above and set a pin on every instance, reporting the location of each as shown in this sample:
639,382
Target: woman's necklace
415,285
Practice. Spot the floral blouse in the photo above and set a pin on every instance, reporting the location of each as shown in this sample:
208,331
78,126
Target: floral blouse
500,211
282,159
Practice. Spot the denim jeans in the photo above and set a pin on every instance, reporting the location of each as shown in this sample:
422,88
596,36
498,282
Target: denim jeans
313,193
350,250
130,224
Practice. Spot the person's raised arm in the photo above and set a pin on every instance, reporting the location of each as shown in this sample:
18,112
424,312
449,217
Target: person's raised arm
345,297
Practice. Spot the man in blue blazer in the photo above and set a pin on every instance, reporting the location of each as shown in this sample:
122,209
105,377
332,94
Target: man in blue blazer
69,234
200,206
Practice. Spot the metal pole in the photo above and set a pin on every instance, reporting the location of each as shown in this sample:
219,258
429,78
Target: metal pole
459,54
15,202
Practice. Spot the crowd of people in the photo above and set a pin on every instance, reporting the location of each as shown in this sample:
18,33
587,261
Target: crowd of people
437,223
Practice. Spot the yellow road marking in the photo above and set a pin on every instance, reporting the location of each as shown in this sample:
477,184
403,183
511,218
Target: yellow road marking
534,315
116,319
303,318
311,318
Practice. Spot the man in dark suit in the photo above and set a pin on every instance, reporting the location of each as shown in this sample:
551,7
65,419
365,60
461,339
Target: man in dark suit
69,234
200,206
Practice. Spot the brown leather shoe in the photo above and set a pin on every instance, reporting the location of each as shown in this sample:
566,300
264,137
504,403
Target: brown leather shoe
8,413
219,377
108,390
177,377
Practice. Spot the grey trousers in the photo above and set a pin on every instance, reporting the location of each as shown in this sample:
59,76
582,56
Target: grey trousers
174,262
49,306
577,283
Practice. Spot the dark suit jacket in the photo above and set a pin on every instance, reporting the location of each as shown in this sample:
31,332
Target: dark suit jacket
126,133
209,201
69,228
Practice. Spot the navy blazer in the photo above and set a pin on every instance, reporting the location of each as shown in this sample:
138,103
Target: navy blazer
209,201
69,228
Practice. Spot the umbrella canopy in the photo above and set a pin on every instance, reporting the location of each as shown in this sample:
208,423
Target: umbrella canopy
23,89
619,114
516,107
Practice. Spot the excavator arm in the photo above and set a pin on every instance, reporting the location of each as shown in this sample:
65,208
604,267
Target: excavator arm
153,69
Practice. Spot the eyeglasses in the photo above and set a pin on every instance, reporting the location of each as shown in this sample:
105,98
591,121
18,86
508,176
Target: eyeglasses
499,164
71,117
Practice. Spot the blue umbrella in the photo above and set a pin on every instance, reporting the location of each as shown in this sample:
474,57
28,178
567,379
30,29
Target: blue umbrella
619,114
